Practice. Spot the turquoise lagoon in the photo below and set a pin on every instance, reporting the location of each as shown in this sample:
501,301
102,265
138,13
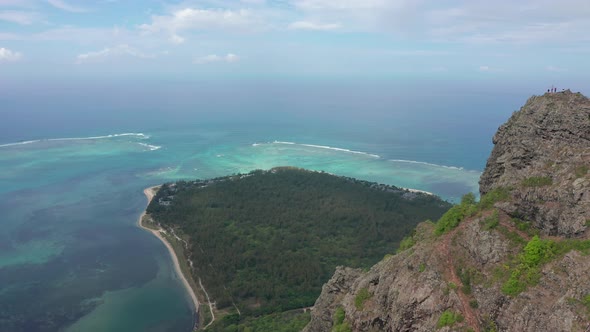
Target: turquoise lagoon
71,256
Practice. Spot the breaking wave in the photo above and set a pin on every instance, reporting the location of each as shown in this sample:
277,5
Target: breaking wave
151,147
431,164
325,147
138,135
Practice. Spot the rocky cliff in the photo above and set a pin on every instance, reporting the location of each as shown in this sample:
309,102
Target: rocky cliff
542,153
515,261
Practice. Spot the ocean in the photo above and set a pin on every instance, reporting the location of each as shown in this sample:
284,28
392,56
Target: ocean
73,168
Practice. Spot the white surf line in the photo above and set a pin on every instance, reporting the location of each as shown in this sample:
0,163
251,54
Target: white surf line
426,163
151,147
341,150
18,143
434,165
325,147
140,135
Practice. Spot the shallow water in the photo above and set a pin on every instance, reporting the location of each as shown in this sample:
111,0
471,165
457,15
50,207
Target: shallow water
71,257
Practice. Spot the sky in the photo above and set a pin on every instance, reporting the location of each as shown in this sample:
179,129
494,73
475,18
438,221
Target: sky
529,41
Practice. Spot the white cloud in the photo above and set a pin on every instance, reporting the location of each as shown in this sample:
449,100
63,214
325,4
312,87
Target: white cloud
473,22
232,58
200,20
306,25
117,51
361,15
484,68
176,39
229,58
522,22
19,17
8,55
60,4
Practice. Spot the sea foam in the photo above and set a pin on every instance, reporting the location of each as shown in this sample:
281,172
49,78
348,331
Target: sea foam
435,165
321,147
367,154
425,163
151,147
18,143
138,135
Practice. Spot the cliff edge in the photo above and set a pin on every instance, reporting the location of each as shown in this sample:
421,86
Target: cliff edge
542,153
517,260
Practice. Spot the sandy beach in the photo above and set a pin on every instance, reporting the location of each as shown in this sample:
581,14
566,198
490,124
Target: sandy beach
149,193
418,191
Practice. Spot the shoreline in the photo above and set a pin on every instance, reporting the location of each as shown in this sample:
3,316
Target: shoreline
418,191
149,194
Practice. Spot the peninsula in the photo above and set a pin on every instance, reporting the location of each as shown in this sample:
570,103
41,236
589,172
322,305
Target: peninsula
263,243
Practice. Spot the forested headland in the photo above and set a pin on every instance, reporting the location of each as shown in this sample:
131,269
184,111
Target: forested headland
266,242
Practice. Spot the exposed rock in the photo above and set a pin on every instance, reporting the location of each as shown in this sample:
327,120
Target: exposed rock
483,246
332,293
407,293
411,290
552,305
463,271
549,138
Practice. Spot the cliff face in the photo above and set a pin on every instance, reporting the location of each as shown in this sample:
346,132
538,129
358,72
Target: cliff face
461,280
543,153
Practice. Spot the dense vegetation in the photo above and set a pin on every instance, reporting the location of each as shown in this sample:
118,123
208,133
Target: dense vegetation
267,241
449,318
523,270
467,208
526,271
340,325
488,200
456,214
360,298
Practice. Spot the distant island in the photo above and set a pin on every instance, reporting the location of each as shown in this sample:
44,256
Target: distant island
255,249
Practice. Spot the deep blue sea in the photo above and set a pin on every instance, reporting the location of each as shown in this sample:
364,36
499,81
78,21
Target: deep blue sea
74,163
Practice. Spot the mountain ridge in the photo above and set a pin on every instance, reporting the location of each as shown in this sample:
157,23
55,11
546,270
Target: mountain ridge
514,261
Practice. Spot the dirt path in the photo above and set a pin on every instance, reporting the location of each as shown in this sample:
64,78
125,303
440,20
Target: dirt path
444,248
149,194
508,224
200,282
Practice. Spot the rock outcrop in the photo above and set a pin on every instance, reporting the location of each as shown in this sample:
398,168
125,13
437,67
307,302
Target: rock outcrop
455,281
542,153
